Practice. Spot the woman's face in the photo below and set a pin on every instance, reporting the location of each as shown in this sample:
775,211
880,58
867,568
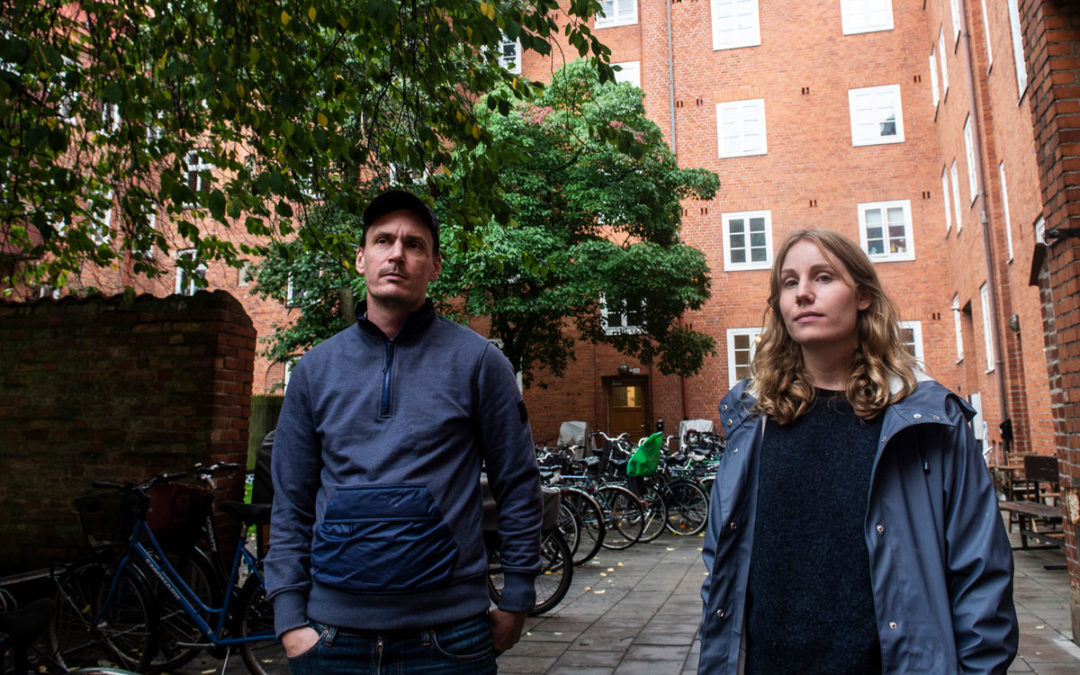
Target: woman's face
818,300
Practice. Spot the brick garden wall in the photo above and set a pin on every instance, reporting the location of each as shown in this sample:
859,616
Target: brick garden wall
103,389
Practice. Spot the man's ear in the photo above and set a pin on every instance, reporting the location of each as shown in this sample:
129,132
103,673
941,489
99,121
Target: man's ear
436,268
360,260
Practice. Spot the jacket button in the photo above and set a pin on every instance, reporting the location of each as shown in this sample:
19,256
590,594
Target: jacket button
732,526
736,450
720,614
729,421
723,407
917,416
884,438
892,624
880,529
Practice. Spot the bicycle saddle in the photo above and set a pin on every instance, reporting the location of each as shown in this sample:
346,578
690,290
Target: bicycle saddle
251,514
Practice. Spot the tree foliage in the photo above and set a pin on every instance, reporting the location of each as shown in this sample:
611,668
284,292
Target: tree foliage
597,217
596,202
106,106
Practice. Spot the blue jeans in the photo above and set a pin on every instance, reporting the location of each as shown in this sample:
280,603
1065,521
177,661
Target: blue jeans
466,648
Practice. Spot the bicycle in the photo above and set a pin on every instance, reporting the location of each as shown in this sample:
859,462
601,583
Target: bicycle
116,601
20,630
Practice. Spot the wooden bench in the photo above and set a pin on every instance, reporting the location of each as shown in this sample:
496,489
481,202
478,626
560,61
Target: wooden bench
1037,521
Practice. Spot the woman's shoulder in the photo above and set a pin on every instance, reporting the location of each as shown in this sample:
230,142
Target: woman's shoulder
933,400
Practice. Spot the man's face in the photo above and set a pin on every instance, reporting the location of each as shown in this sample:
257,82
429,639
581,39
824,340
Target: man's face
397,261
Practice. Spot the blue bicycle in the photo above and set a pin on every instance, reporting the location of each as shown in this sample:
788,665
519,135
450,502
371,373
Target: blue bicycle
133,604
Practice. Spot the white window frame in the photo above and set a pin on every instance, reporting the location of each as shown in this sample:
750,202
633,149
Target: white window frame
858,16
958,327
745,216
954,8
630,72
905,205
151,223
1040,231
860,120
101,230
945,197
988,333
955,175
986,33
622,327
110,116
195,164
512,64
1005,209
623,13
934,91
246,274
916,335
749,116
944,63
1018,49
735,24
185,285
290,364
969,150
293,297
732,333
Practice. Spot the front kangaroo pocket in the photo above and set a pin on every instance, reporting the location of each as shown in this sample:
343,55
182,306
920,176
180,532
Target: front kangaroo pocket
382,538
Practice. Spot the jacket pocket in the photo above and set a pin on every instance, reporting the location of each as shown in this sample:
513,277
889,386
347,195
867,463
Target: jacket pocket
382,538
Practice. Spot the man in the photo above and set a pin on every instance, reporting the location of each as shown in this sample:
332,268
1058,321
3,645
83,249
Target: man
376,551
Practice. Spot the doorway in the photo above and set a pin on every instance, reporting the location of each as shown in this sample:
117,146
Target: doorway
628,406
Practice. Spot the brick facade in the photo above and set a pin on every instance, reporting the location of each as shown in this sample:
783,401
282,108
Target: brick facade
104,389
1051,33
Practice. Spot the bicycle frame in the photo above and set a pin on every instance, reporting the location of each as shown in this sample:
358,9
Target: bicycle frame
179,589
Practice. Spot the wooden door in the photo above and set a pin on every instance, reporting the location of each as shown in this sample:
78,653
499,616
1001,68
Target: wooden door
628,407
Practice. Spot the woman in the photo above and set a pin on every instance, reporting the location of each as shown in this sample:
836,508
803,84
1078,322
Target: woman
853,527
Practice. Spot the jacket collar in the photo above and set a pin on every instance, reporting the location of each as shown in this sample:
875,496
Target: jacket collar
414,323
928,403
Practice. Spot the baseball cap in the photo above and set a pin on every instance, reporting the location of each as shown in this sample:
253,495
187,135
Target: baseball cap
395,200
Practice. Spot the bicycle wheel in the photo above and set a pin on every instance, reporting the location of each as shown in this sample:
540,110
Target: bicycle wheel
553,582
73,638
176,626
591,528
569,525
128,619
255,617
688,507
624,516
656,513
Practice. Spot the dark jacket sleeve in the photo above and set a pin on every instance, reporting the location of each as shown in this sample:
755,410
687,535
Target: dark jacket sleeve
979,563
505,440
295,466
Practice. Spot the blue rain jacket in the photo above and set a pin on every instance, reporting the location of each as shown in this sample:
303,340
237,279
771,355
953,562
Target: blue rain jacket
940,561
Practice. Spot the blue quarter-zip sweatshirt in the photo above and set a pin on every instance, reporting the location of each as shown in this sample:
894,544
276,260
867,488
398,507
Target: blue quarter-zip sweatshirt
377,455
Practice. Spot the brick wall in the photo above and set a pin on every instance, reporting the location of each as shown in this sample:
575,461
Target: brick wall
1052,45
103,389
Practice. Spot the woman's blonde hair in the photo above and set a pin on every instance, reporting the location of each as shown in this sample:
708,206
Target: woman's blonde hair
780,381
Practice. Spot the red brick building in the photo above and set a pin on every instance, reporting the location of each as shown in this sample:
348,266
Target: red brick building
940,134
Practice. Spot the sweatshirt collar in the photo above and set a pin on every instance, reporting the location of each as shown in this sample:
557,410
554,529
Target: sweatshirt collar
414,323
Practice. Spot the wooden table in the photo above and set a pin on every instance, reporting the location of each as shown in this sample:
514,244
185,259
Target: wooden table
1038,521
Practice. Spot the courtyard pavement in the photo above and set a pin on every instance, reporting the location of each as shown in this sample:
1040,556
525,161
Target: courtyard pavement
636,612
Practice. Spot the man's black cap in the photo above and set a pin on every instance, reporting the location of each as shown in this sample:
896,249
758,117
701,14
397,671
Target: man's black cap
395,200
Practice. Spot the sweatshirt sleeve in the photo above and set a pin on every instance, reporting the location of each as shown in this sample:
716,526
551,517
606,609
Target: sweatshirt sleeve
505,440
295,466
979,562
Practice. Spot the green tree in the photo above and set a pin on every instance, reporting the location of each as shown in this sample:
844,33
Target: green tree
235,114
597,204
596,198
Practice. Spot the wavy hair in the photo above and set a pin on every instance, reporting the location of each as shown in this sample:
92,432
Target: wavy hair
780,382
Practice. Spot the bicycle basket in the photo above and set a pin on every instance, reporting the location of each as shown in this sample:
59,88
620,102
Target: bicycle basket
177,513
106,518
